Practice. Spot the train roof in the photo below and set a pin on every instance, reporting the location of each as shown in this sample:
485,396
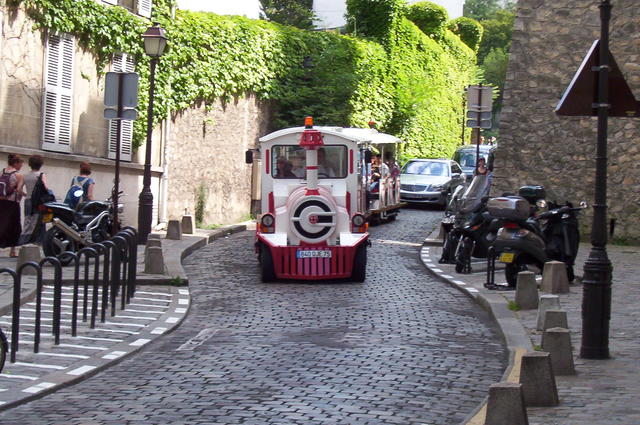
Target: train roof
360,135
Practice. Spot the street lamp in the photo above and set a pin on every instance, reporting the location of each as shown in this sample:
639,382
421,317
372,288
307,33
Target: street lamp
155,42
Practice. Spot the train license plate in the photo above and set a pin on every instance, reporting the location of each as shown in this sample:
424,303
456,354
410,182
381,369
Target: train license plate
315,253
47,218
506,257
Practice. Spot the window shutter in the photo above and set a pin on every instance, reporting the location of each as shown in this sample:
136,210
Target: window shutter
58,93
144,8
121,62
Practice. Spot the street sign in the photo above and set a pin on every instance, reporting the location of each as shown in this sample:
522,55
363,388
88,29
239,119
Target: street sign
479,119
479,98
580,97
121,96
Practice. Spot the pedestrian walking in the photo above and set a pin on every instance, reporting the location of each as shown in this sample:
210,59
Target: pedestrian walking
11,192
33,227
81,182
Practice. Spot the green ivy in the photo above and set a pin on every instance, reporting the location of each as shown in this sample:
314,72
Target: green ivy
431,18
390,71
469,30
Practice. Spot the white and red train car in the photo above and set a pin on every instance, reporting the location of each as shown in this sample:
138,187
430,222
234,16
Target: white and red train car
315,204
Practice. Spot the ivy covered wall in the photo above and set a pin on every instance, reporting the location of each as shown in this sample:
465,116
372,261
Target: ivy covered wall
391,72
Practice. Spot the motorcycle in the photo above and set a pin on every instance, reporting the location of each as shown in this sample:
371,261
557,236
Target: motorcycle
530,240
461,209
73,229
476,238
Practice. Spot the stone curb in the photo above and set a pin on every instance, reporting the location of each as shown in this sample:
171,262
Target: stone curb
165,324
516,337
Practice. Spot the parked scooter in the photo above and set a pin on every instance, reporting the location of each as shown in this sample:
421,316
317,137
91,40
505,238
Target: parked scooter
476,238
72,229
528,240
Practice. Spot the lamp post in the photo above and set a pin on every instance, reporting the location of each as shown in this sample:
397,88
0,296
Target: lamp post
596,298
155,42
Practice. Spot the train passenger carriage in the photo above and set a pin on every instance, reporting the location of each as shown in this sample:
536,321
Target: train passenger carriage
315,202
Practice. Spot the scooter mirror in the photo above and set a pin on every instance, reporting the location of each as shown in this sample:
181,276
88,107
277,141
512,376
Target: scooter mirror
78,193
583,204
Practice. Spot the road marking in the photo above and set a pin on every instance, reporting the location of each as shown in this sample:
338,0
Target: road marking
155,293
83,347
27,377
73,356
114,355
39,387
172,320
131,310
183,301
140,342
183,291
40,366
447,276
158,331
180,310
81,370
436,270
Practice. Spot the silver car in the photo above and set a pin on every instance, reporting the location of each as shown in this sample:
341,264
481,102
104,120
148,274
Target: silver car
430,181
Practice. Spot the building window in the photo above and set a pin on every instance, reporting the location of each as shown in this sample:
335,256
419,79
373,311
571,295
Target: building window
141,7
58,93
121,62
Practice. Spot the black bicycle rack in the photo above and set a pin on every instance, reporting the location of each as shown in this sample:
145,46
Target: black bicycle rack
119,258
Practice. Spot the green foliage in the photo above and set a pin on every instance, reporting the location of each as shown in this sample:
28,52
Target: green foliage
297,13
469,30
429,17
494,67
374,19
409,83
513,306
497,33
178,281
201,203
480,9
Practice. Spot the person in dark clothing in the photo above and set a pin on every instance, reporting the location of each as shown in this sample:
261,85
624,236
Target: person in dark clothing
10,196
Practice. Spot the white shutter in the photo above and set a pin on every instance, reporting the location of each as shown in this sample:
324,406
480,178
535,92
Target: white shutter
58,93
121,62
144,8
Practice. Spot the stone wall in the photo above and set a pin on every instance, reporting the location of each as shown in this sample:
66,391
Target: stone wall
550,40
206,148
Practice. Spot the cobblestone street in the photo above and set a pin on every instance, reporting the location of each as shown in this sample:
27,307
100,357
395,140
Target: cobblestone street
401,348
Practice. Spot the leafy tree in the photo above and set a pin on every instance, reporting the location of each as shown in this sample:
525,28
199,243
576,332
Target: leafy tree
431,18
297,13
480,9
497,33
495,68
469,30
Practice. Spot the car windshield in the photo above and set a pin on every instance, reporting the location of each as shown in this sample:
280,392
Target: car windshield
468,159
426,168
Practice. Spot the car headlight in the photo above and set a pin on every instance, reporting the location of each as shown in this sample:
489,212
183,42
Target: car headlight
437,187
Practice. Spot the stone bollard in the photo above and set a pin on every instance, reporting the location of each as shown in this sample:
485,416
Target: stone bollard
554,278
537,379
506,405
557,342
174,230
154,260
547,302
554,319
151,243
188,225
29,252
527,291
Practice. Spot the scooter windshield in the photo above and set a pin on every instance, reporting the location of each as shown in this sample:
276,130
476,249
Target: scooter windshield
472,197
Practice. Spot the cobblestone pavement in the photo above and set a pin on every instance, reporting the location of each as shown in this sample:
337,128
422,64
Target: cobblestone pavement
402,348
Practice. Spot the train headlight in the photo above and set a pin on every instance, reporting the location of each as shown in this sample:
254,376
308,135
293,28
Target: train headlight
359,223
267,224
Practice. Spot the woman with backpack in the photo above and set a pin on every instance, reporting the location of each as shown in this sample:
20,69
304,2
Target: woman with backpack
11,191
33,228
81,182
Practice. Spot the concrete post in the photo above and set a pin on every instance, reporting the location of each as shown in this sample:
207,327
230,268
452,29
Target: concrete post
527,291
554,278
537,379
547,302
154,260
174,230
188,225
506,405
554,319
557,342
29,252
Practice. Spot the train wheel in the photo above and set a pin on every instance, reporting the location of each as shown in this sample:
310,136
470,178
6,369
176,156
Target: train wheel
266,264
360,265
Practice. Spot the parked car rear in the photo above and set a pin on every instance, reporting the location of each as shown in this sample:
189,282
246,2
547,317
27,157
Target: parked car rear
466,157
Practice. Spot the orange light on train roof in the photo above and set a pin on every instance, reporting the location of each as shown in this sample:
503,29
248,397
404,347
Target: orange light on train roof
308,122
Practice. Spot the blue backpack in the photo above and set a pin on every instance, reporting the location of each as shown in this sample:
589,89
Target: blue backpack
72,199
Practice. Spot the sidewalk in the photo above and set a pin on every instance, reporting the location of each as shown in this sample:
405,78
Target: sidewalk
159,305
602,391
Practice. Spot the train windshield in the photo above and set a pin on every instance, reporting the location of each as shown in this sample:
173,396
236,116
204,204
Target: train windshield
289,162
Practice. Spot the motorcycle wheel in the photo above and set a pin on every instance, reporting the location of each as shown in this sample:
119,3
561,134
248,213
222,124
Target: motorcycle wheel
511,273
56,242
449,248
463,254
